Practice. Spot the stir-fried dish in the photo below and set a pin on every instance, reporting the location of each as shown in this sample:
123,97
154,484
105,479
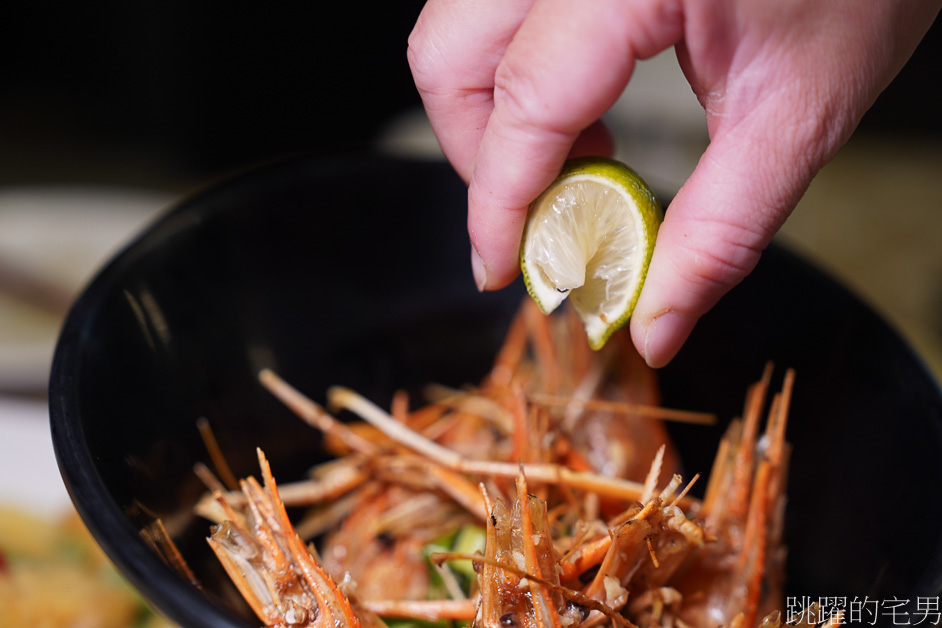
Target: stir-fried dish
53,575
547,496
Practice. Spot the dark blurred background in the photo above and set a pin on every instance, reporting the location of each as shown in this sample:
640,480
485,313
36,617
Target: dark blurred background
112,111
147,91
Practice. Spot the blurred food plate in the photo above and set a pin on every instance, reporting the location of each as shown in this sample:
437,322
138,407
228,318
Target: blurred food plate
52,573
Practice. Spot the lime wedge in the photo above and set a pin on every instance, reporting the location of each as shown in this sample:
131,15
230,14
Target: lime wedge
590,237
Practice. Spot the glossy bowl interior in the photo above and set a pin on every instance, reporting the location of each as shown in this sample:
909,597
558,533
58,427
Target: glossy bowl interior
356,272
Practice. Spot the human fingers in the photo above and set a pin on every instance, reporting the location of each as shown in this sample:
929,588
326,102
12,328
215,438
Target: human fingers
775,117
454,50
715,230
563,69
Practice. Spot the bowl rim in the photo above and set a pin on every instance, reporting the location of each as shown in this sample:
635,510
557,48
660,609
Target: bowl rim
167,591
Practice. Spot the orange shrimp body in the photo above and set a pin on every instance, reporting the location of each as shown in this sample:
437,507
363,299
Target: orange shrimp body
560,460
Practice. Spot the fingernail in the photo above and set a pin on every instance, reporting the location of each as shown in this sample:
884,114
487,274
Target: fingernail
664,337
477,267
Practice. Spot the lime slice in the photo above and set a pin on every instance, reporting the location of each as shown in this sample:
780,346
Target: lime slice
590,237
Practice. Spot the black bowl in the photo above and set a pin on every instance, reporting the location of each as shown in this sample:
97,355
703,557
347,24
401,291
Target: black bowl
357,273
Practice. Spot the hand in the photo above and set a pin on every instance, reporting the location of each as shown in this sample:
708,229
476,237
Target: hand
513,87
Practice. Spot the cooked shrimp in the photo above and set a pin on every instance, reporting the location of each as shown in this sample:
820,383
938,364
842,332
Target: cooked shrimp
271,566
557,460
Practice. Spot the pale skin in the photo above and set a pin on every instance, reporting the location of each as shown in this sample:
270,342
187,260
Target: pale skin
514,87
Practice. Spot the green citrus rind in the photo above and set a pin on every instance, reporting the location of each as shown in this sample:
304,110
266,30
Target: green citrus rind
646,217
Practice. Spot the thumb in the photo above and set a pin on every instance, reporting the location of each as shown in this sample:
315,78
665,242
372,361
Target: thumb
561,72
714,232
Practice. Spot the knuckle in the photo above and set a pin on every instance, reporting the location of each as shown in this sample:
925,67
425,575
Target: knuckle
523,108
427,55
815,136
513,91
421,57
715,264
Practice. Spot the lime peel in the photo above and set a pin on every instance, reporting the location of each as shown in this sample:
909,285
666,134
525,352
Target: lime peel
590,237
